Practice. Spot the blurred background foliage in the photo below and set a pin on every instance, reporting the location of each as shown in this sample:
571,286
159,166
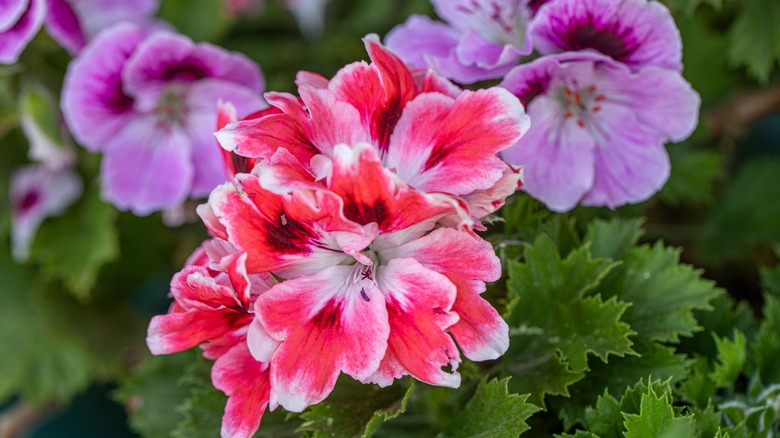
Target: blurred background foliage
73,318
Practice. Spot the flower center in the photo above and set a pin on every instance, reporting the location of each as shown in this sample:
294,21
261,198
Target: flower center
580,104
172,105
28,201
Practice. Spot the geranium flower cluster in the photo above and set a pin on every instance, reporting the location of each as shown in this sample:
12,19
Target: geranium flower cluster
604,97
344,241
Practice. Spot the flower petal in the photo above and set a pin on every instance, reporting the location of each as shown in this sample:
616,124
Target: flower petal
326,325
635,32
245,381
180,331
15,38
418,307
147,167
468,262
446,145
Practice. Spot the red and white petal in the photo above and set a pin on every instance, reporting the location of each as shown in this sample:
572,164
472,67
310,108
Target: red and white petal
260,343
211,221
327,325
484,202
260,136
245,381
331,121
450,145
468,262
481,332
194,288
279,231
374,195
176,332
419,303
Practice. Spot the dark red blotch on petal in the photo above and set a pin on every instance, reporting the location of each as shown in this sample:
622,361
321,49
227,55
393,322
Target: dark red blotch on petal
329,317
365,214
608,39
288,236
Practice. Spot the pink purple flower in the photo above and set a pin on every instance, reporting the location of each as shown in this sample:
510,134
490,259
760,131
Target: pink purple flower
599,128
148,101
73,23
483,39
38,192
635,32
435,137
20,21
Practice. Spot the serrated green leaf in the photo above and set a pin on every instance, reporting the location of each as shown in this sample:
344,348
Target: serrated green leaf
731,359
355,410
551,319
656,418
698,388
492,412
613,238
75,246
663,293
604,418
754,38
693,176
770,279
652,359
765,347
153,391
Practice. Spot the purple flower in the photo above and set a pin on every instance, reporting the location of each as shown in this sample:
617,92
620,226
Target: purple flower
74,22
38,192
598,128
20,20
484,39
634,32
148,101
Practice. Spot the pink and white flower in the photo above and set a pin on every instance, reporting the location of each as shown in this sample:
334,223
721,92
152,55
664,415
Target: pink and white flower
599,128
483,39
637,33
434,136
370,288
20,21
148,101
213,309
38,192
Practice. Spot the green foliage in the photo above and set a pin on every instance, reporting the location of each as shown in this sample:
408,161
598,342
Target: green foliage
73,247
355,410
731,359
736,221
689,6
754,37
657,419
492,412
153,391
693,176
554,324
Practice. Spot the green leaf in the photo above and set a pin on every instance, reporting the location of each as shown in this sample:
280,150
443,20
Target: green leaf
201,20
604,419
355,410
652,359
663,293
613,238
657,419
492,412
551,318
75,246
731,359
735,225
754,37
693,176
765,347
58,345
151,394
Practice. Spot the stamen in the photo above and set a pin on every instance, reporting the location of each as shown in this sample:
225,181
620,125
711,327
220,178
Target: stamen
580,123
364,295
